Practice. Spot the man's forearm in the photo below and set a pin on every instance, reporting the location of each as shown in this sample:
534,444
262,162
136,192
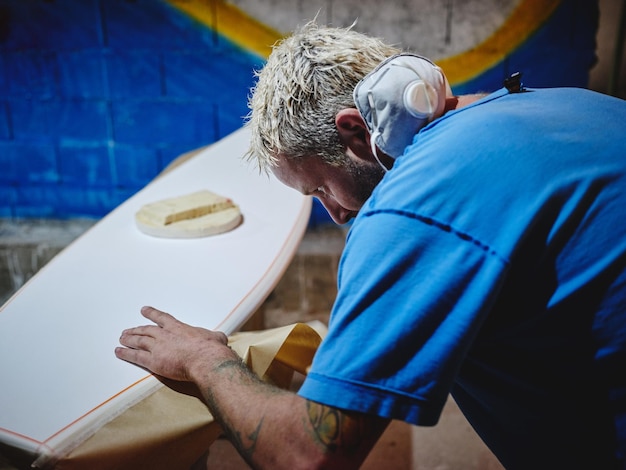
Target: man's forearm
224,391
274,428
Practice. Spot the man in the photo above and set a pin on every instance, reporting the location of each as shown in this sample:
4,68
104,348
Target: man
487,260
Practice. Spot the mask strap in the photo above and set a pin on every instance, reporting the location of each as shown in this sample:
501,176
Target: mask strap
376,131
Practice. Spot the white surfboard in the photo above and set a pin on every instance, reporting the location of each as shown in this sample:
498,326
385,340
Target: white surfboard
60,378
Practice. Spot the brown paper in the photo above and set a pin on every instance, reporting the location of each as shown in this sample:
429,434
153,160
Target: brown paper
171,430
275,354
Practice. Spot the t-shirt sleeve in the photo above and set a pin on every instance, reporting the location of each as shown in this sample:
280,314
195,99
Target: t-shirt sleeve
412,296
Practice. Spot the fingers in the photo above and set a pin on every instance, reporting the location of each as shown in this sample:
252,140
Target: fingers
157,316
141,337
134,356
137,345
168,347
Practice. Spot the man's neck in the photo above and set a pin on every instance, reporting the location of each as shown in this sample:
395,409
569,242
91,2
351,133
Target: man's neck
457,102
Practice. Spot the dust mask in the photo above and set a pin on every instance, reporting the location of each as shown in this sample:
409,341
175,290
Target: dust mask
399,97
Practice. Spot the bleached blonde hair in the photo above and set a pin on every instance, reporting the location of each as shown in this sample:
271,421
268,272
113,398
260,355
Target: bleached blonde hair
308,78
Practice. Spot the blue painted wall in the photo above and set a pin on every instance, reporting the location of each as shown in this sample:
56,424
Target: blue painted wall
97,96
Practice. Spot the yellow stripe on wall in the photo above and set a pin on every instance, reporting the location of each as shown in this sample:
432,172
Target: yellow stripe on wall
524,20
258,38
232,23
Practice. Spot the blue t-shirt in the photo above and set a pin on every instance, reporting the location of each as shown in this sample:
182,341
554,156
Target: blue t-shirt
490,263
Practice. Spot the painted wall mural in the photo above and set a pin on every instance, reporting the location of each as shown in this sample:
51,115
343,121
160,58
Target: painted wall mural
98,96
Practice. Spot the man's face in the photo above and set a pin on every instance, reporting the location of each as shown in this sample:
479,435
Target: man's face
342,190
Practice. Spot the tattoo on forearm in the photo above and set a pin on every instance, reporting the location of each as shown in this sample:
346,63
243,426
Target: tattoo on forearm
234,365
245,443
334,429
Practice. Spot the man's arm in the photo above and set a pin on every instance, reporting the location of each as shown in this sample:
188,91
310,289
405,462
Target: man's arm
271,428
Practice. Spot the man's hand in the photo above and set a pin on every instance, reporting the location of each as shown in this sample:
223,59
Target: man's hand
171,348
271,428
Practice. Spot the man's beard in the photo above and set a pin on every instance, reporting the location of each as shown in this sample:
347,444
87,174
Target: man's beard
367,175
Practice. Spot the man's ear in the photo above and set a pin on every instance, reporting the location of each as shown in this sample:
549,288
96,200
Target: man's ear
353,132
